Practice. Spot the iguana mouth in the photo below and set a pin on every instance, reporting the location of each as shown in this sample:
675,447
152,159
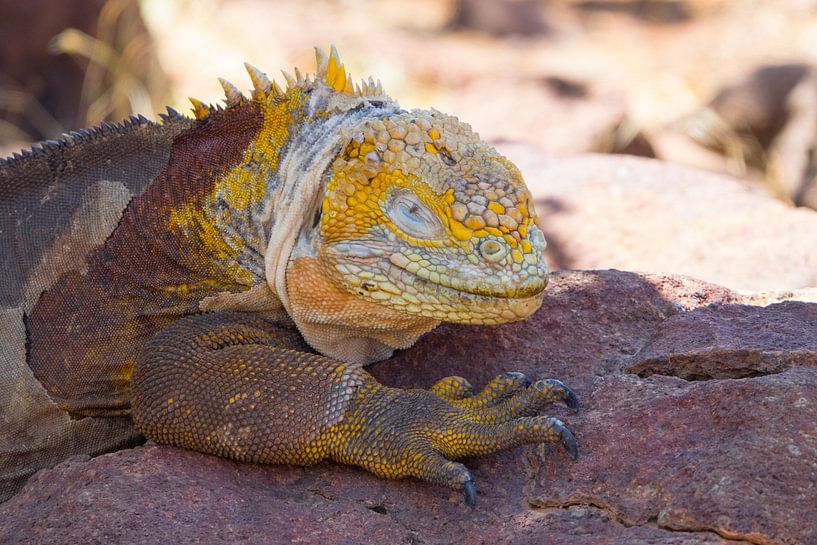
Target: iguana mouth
521,288
471,305
375,271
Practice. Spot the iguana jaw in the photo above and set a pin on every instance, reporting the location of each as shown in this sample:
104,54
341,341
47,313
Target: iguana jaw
482,285
374,272
477,304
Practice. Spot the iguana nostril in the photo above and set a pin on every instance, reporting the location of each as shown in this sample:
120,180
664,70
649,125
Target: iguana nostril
492,250
537,238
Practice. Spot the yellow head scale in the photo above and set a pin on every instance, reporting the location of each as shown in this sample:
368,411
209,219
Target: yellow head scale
422,216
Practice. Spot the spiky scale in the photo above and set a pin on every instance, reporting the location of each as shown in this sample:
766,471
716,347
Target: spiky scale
334,56
291,82
276,90
170,115
134,120
335,72
231,93
321,62
200,109
260,82
331,72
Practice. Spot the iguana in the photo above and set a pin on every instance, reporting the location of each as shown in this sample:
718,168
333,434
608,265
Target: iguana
223,280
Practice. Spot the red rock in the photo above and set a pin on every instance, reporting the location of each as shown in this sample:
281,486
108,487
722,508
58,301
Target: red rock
732,341
636,214
734,457
663,461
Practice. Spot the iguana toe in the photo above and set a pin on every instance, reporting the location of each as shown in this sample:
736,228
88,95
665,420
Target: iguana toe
551,391
562,392
453,388
569,442
509,397
518,377
400,433
501,388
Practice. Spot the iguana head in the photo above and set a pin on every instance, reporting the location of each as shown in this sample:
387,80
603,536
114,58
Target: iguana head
381,222
423,217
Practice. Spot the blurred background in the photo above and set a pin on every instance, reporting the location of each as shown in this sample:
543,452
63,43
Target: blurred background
729,86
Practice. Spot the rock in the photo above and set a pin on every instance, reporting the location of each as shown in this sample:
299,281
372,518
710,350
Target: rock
160,495
588,525
663,460
644,215
755,107
563,113
732,341
655,11
762,128
733,457
500,18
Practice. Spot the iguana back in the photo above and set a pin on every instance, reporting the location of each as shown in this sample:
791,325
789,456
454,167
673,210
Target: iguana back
59,202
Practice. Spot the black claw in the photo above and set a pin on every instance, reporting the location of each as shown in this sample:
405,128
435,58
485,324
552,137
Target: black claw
569,396
518,375
470,493
571,400
569,443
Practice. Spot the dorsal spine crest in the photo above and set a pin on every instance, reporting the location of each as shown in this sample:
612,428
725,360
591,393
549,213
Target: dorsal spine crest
330,71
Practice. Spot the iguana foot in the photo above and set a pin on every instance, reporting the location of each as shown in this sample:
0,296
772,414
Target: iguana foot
453,388
507,396
398,433
237,386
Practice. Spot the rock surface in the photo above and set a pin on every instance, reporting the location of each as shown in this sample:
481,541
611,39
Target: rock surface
735,341
663,460
644,215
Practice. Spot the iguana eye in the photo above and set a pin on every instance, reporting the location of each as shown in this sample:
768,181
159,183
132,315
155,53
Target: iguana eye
413,217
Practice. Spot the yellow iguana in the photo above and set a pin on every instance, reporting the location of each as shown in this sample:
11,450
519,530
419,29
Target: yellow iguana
223,280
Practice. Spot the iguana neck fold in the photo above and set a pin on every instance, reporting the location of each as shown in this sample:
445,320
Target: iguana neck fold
274,196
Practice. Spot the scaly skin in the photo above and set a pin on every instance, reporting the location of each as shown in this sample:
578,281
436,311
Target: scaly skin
329,206
222,384
437,225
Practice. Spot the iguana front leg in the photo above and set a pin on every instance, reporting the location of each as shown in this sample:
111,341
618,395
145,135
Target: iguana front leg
236,386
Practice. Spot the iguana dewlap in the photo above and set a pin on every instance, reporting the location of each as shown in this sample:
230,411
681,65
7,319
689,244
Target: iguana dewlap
156,270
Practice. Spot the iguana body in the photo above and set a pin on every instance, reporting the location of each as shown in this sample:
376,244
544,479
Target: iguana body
157,270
